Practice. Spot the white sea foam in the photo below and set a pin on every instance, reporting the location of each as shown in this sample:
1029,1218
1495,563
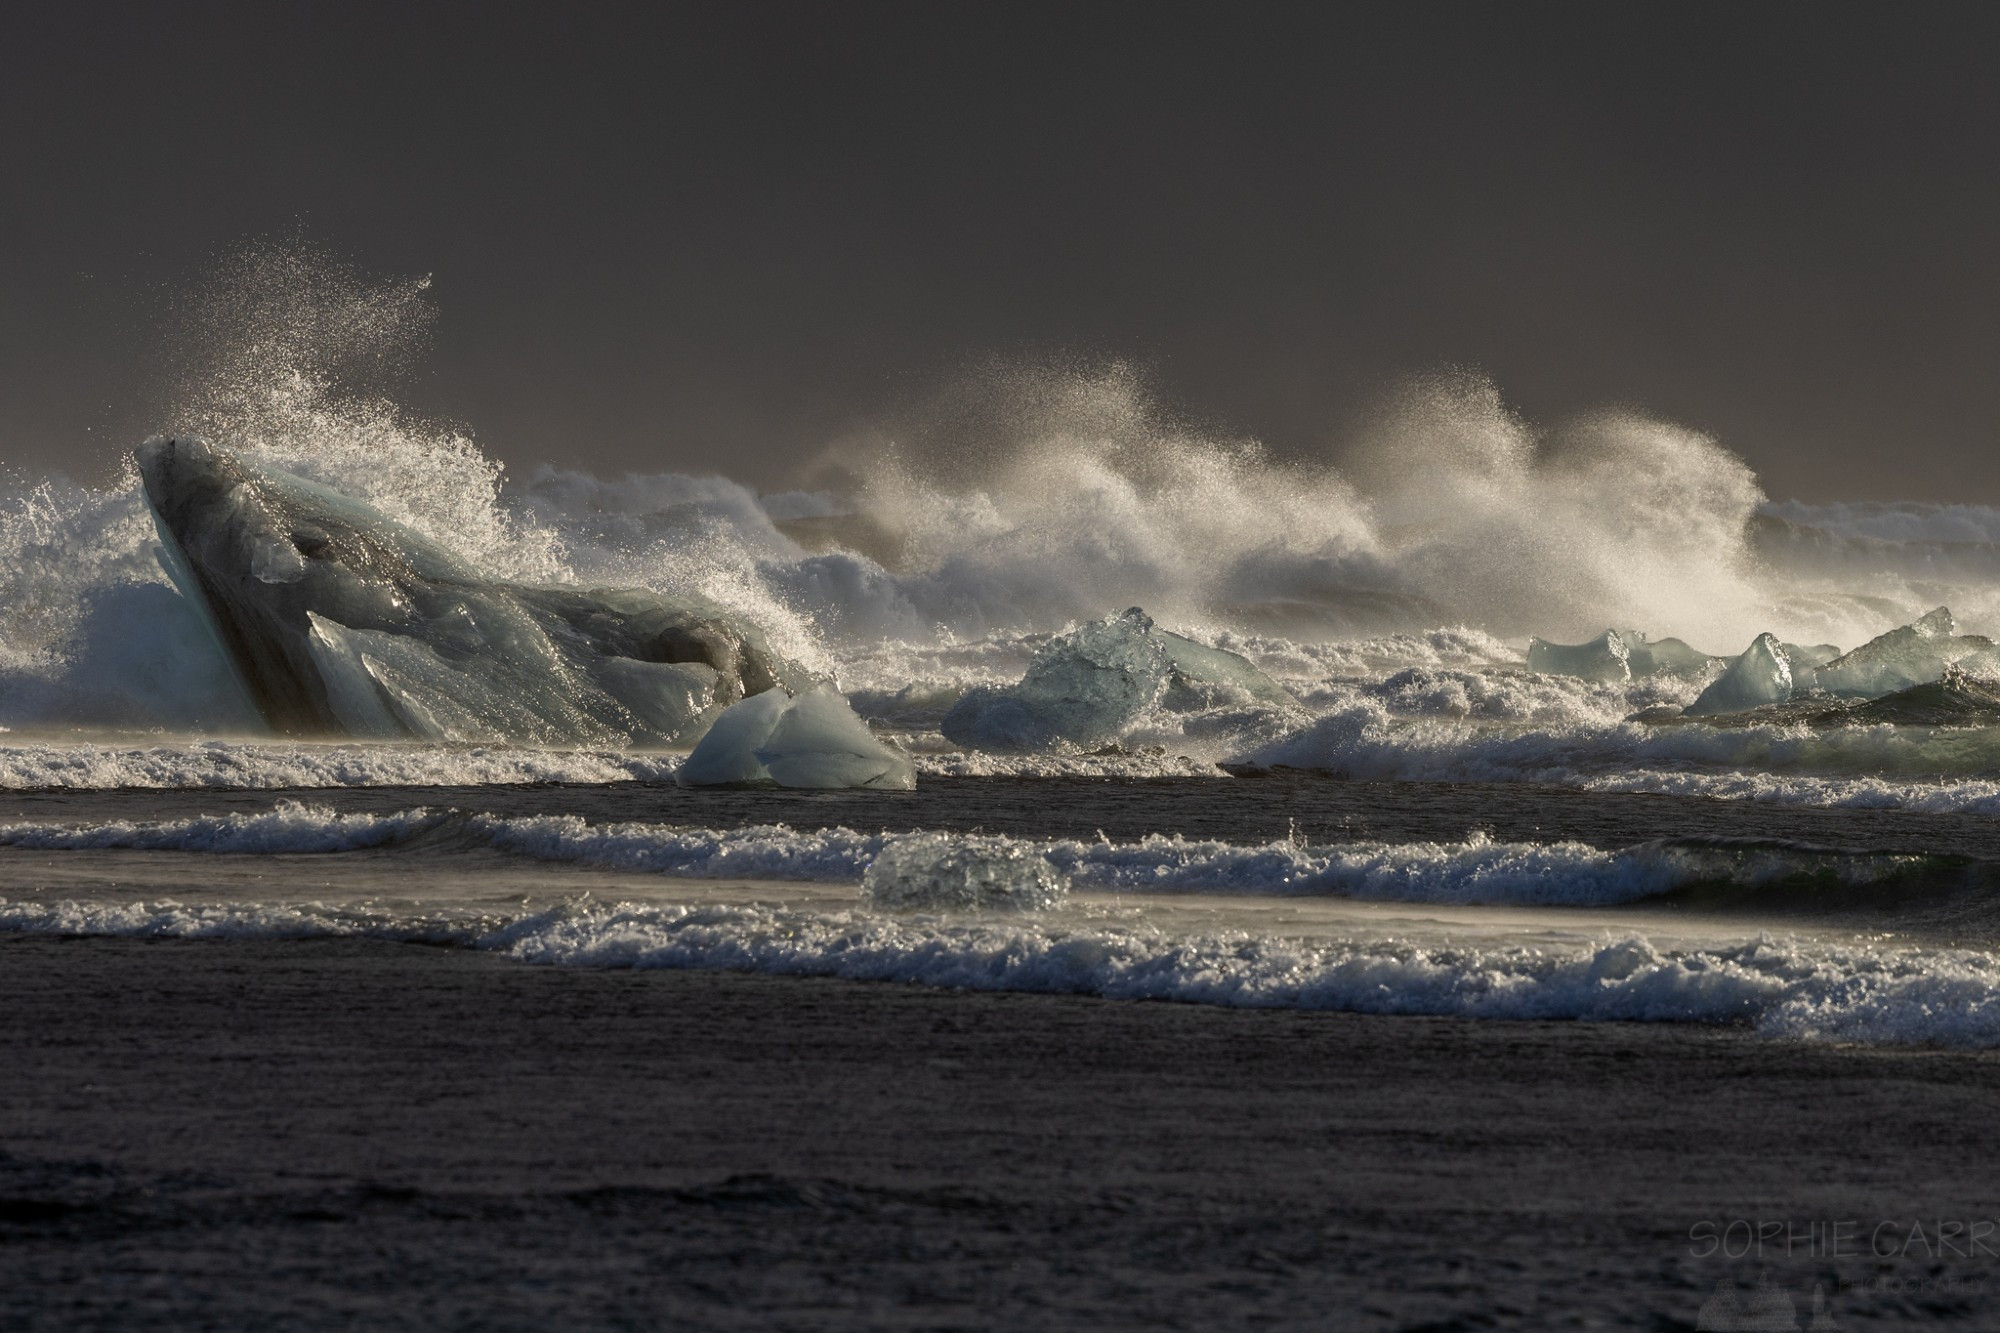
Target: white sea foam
1149,762
288,827
1971,796
167,918
1880,766
1365,740
1783,987
767,851
1780,987
259,765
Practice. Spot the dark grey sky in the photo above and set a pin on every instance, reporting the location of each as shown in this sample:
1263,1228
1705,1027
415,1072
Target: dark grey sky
672,236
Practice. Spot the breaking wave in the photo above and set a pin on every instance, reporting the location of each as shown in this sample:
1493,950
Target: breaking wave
1777,986
288,828
1781,988
1368,742
1102,941
1477,870
1884,767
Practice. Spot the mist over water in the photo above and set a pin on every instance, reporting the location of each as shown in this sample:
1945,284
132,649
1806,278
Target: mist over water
1014,501
1449,509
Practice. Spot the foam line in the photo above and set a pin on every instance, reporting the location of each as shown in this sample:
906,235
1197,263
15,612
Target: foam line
1778,987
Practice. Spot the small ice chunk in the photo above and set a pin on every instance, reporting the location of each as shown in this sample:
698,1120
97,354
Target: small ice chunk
1206,677
1813,655
669,698
727,752
1984,664
1605,658
1759,676
932,872
814,740
1088,686
1617,655
986,718
1671,657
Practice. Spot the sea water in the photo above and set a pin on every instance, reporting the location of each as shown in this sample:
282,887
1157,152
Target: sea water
1364,620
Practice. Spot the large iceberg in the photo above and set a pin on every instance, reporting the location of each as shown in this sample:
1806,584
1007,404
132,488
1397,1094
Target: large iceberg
1086,687
340,621
814,740
1914,654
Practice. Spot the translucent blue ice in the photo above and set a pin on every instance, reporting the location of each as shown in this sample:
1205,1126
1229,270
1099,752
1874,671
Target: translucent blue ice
1760,675
1914,654
1616,655
814,740
1086,687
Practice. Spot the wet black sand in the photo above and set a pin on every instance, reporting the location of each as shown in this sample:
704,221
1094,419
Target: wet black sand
320,1134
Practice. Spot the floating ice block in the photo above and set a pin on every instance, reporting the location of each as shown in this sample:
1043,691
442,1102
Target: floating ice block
814,740
1759,675
1088,686
1913,654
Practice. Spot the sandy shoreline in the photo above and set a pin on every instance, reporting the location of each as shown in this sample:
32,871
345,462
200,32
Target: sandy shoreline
318,1133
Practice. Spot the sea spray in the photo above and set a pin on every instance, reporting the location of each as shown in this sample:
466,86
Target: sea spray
1019,500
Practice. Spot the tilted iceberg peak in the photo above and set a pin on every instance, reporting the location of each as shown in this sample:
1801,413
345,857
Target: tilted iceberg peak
1913,654
340,621
1761,674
